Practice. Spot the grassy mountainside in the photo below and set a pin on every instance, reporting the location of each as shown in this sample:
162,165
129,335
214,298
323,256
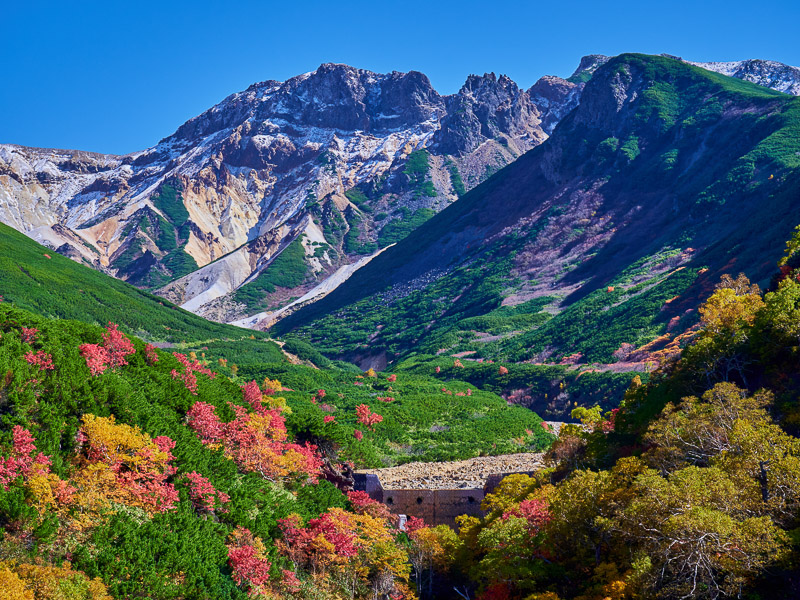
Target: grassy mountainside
42,281
607,234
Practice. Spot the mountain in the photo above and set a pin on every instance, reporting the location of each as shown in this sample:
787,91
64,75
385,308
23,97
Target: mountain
767,73
595,242
276,195
330,166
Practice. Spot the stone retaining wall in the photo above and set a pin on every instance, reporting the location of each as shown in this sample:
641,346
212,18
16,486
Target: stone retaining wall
437,507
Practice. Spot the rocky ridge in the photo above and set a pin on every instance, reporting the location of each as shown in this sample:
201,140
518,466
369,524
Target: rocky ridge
607,234
767,73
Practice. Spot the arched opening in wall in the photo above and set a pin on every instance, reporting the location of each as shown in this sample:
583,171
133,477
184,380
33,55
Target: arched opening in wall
471,499
390,500
419,500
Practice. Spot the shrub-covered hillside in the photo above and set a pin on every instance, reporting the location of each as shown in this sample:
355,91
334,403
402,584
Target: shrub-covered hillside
131,471
40,280
690,489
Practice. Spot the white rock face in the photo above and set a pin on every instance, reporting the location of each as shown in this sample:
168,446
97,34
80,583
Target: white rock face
767,73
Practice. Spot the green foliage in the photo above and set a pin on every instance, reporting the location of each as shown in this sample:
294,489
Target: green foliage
180,263
397,229
287,270
455,178
59,287
422,423
417,169
749,156
169,201
352,243
306,351
631,148
359,198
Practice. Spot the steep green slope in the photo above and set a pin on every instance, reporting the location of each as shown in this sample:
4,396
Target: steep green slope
44,282
665,176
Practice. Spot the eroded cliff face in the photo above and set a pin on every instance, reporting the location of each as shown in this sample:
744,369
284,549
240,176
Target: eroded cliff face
340,161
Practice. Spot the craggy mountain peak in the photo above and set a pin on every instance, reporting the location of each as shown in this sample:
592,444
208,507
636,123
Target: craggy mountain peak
489,107
322,155
588,65
554,97
333,96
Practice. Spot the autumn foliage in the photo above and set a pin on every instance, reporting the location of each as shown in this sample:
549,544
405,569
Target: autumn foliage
366,417
256,440
110,354
190,367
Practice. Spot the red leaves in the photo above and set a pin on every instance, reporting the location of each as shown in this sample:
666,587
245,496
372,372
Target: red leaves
497,591
255,441
41,359
150,354
414,524
96,358
252,394
367,417
202,494
21,461
29,334
117,346
111,354
358,434
205,422
247,567
608,426
329,419
247,558
302,543
360,500
364,505
535,511
290,584
502,371
147,484
391,378
190,367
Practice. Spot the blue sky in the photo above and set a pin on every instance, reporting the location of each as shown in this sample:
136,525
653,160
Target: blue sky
117,77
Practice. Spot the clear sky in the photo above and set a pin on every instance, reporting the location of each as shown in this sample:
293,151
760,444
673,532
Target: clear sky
117,76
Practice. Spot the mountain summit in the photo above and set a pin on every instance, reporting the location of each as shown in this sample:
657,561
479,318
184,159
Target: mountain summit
598,240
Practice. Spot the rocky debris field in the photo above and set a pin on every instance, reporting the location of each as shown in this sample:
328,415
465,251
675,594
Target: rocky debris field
462,474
